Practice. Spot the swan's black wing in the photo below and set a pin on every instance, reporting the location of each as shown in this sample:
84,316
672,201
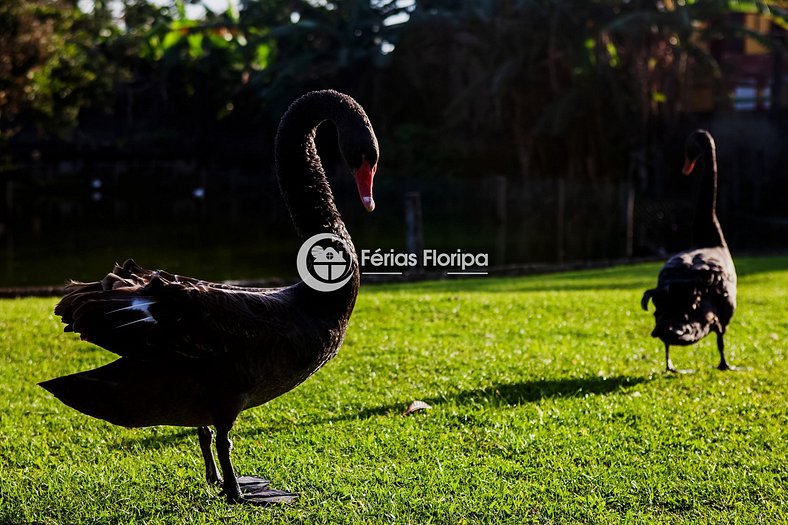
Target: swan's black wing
695,293
711,268
136,312
708,273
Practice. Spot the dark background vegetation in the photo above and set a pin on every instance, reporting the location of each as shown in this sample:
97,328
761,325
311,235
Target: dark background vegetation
135,129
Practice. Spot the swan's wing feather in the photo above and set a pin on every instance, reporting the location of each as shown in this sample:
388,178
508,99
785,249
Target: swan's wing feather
153,314
710,270
696,282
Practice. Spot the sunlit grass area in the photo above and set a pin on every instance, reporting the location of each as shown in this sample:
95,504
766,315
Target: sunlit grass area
549,405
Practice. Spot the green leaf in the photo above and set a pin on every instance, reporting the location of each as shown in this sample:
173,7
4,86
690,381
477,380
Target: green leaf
181,9
232,12
262,56
613,54
171,39
195,44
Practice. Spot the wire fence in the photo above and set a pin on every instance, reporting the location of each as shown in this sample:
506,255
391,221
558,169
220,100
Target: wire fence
78,206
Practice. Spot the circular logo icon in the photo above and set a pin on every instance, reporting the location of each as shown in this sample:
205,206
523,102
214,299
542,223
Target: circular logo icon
324,262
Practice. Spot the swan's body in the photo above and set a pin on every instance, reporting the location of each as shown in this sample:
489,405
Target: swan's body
191,348
696,289
195,353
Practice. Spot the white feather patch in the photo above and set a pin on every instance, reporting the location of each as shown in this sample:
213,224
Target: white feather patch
140,305
137,305
148,319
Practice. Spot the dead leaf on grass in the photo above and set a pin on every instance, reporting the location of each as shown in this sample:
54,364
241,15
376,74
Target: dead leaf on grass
415,407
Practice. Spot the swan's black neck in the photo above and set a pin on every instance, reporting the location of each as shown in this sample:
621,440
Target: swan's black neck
706,227
302,178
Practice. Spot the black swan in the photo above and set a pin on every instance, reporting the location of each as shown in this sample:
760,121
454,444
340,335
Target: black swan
195,353
696,289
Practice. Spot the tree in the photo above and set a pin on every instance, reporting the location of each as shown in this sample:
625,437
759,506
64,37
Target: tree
48,70
568,85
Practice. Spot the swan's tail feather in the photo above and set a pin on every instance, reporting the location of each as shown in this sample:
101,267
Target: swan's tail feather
646,298
131,393
89,396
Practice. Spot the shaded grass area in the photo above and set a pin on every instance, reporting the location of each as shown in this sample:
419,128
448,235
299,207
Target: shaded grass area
549,406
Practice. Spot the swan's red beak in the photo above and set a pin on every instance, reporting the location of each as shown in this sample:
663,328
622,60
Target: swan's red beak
689,164
364,176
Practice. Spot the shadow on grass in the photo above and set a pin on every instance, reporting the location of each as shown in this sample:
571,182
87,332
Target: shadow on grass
547,282
500,395
516,393
495,395
635,277
155,441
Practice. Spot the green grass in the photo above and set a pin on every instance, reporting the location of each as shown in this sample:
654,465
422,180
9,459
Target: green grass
549,406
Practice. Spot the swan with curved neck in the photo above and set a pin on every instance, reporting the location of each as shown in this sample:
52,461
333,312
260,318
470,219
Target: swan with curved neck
696,288
196,353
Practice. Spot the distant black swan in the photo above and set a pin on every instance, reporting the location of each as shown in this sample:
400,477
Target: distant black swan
195,353
696,289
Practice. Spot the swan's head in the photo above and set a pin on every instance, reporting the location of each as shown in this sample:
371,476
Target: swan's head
698,141
360,150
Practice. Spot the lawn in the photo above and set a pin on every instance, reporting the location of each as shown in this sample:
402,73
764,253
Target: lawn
549,406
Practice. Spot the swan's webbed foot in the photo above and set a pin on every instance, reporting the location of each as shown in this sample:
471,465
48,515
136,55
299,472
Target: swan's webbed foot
243,489
731,368
673,370
257,491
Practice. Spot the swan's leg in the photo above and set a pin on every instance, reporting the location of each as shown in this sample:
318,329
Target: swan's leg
668,363
245,489
223,447
721,347
206,438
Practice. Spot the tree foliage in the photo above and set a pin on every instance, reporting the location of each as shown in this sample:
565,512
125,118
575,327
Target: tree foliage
535,87
49,67
568,88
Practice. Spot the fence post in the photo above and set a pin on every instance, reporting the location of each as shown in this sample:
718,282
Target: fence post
559,230
414,228
7,230
629,188
500,219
